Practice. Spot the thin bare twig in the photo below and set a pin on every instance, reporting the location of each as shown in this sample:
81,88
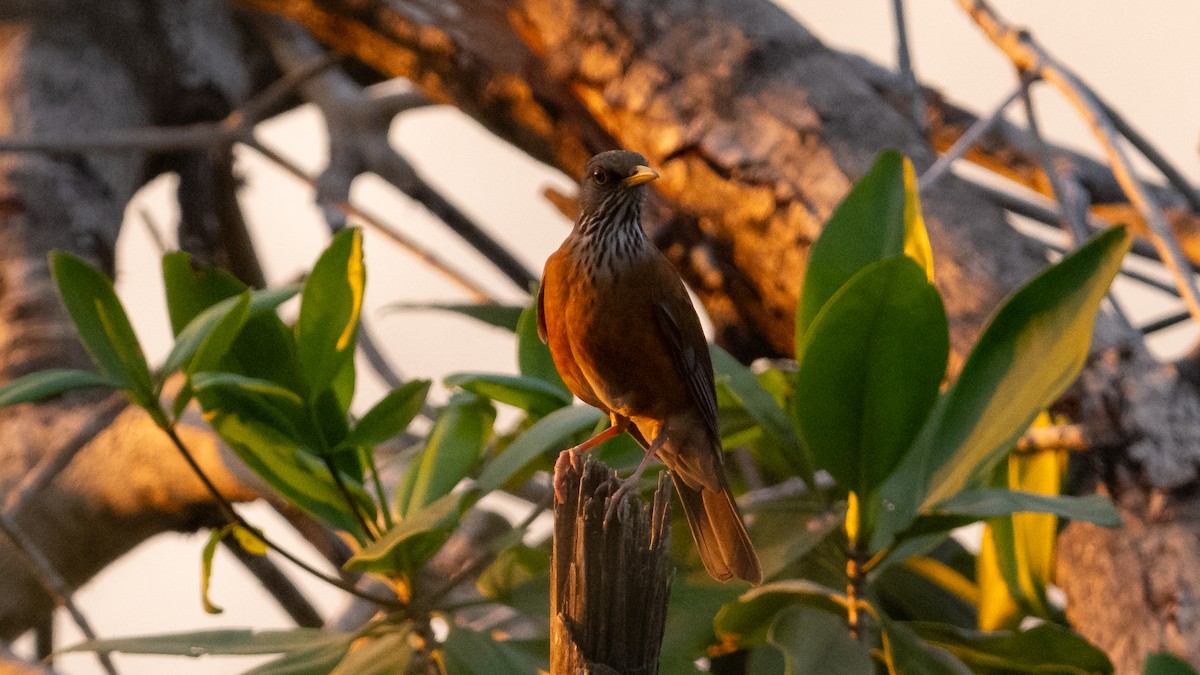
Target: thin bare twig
232,516
1028,56
1070,222
270,577
183,137
1061,437
477,292
156,238
51,581
1177,180
913,90
358,125
964,143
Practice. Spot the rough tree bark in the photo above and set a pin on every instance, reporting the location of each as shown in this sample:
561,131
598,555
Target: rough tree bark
757,129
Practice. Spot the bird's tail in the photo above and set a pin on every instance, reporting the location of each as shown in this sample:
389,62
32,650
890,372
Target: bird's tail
720,536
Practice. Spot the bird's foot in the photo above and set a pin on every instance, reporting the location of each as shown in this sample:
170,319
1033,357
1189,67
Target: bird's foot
614,501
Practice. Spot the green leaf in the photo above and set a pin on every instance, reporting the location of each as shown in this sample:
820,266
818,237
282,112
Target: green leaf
530,394
264,348
387,654
327,327
908,654
870,367
807,523
190,291
1027,356
258,433
546,435
270,390
102,324
813,641
741,384
452,449
533,355
50,383
1162,663
1097,509
470,653
1046,648
208,336
746,622
413,540
391,415
223,642
318,659
500,316
879,219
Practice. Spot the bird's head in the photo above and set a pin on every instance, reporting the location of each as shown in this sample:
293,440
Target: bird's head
612,188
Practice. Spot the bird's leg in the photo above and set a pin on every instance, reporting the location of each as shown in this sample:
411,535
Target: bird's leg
619,425
631,482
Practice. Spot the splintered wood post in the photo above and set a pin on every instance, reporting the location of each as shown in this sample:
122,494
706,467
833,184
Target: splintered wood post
608,593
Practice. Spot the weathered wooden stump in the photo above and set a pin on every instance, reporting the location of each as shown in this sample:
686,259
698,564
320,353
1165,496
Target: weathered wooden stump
610,583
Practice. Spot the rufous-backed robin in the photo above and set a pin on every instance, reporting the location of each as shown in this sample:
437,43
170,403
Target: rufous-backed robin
626,339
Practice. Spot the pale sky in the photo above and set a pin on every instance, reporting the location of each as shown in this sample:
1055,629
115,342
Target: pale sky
1142,56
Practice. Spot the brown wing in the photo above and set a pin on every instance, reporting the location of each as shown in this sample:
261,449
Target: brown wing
680,329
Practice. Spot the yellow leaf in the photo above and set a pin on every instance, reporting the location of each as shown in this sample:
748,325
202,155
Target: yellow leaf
916,238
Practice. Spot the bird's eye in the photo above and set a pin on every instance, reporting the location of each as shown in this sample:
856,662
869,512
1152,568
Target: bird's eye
600,176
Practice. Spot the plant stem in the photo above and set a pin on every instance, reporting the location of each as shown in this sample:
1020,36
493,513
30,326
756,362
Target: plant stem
233,516
368,531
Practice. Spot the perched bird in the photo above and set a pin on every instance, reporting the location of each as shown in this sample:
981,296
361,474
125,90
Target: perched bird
626,339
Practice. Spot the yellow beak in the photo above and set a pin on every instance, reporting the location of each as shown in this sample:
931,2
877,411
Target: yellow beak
641,174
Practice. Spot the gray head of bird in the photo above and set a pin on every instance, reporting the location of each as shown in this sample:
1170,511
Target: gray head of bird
612,189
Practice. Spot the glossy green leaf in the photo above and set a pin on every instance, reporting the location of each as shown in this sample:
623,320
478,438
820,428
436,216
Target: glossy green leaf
391,415
264,348
533,395
252,428
327,327
1045,648
813,641
533,355
50,383
908,654
102,324
548,434
470,653
221,642
741,384
270,390
501,316
415,538
319,659
870,367
190,291
1097,509
746,622
452,449
879,219
1027,356
387,654
208,336
799,525
1162,663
